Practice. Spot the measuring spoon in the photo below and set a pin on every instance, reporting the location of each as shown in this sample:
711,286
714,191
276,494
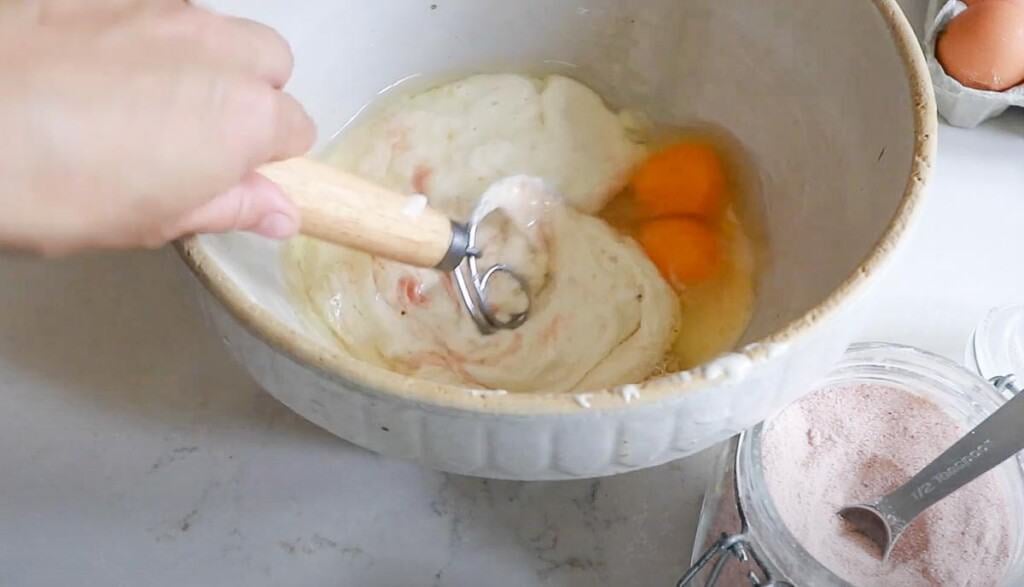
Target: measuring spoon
995,440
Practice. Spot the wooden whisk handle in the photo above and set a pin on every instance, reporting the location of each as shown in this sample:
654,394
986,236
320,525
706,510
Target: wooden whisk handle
343,209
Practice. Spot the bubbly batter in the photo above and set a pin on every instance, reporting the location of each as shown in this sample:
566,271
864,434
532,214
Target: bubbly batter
602,314
453,142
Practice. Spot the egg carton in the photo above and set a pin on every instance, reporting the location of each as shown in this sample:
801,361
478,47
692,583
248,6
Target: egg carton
960,105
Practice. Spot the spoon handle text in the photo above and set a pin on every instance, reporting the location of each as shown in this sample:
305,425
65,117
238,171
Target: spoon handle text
990,443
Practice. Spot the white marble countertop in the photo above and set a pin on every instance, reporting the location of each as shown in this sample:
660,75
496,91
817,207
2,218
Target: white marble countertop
133,452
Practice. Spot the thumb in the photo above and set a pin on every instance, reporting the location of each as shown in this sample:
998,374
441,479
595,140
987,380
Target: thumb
254,205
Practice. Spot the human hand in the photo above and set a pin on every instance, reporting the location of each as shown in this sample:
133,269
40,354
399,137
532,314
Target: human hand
127,123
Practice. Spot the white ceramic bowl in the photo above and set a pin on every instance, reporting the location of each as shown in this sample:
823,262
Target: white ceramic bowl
831,98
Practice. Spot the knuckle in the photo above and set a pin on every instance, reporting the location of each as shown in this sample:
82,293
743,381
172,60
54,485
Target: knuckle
280,60
299,127
255,46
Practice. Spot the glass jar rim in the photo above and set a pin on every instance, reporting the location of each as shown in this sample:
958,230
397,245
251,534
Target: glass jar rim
901,365
996,347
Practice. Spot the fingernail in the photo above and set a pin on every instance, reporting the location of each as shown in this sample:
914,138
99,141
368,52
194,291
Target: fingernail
277,225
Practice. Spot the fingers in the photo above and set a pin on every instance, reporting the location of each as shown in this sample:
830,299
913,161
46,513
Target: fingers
245,45
256,124
255,205
260,48
246,64
294,131
95,11
239,44
270,124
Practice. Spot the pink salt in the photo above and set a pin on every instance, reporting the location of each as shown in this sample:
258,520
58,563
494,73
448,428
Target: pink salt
854,443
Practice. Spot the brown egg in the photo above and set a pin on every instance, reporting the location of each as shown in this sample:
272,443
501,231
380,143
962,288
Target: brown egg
983,47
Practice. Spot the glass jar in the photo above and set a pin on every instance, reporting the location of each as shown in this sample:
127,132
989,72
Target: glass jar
996,348
741,537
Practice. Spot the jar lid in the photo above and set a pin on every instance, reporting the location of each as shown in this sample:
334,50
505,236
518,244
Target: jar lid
996,348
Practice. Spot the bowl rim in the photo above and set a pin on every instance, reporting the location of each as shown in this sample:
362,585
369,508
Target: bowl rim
374,380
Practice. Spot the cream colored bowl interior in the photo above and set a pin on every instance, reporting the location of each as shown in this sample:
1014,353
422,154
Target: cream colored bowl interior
820,92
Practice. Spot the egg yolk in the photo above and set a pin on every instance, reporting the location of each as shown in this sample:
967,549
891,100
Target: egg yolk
686,251
687,179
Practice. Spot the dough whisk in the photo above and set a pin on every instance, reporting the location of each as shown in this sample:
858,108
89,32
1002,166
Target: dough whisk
343,209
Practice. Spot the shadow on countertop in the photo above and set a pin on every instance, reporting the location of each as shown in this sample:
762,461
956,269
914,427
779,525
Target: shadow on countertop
120,332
